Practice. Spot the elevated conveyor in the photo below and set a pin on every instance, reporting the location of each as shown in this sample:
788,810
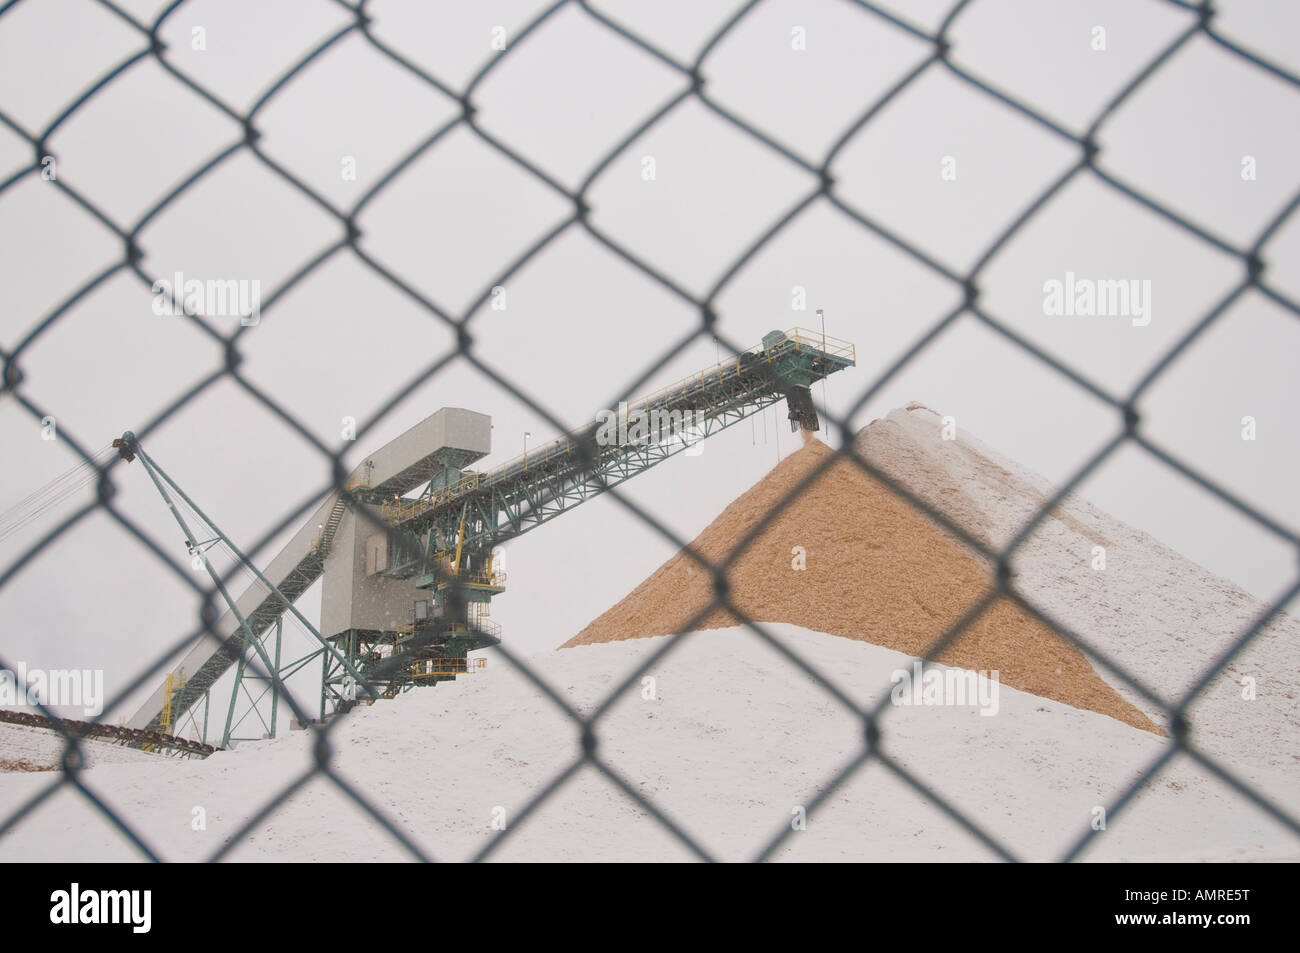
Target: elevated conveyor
442,540
482,509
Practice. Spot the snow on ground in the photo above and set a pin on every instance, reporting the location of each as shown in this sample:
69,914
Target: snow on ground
23,748
735,740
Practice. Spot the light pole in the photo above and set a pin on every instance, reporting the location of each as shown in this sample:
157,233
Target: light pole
526,436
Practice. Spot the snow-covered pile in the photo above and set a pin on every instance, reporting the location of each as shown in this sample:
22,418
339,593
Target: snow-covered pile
878,570
733,742
1163,618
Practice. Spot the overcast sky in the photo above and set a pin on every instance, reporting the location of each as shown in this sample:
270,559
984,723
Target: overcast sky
945,168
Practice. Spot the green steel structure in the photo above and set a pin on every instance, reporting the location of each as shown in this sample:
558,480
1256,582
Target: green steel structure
184,695
443,539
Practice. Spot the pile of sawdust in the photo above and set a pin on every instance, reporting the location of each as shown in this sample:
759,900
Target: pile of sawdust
876,570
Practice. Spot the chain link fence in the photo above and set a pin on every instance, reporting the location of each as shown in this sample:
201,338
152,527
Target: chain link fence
1255,277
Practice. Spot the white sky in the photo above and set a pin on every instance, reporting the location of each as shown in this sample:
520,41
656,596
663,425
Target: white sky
581,323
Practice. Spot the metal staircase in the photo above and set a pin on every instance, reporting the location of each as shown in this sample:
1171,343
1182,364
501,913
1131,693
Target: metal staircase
320,546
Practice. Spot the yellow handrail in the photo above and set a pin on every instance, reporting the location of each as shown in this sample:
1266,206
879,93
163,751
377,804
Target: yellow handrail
448,665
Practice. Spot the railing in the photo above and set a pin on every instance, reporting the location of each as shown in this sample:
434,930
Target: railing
496,578
172,684
486,626
833,347
427,668
407,629
396,512
800,337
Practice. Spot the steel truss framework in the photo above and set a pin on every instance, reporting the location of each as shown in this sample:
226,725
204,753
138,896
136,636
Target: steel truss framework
473,516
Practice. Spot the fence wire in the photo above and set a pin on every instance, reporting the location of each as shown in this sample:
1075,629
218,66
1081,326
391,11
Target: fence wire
693,89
